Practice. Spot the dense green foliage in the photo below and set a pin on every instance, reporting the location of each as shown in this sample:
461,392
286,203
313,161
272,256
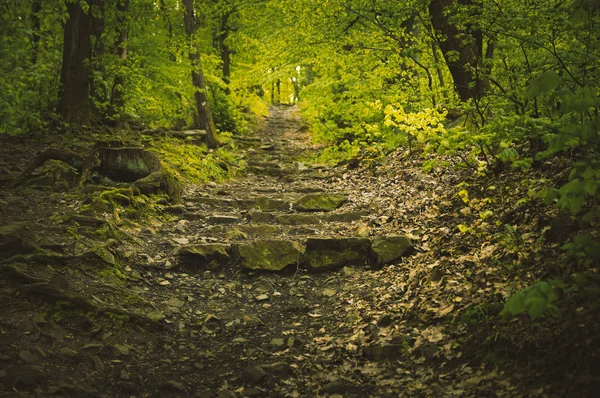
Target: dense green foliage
488,85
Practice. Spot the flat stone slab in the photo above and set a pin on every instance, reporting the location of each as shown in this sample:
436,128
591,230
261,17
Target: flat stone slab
263,203
324,253
389,248
258,216
208,254
321,202
297,219
223,219
269,255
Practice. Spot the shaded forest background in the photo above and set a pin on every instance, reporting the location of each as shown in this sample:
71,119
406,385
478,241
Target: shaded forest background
491,86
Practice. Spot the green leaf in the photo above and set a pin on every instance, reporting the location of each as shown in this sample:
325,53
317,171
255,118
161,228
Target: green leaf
543,84
536,306
515,305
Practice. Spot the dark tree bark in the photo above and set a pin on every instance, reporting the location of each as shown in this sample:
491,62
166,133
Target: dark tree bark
117,95
36,8
221,37
75,105
203,119
462,57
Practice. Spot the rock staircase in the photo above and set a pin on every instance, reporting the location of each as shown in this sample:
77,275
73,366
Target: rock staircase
283,215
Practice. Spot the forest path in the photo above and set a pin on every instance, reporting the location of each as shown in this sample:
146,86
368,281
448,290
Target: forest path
264,333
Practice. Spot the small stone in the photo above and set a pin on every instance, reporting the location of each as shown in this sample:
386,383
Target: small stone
156,316
252,392
98,364
381,352
26,356
277,342
385,320
182,241
175,302
253,374
68,353
173,386
122,349
337,387
282,369
262,297
39,319
164,283
329,292
124,375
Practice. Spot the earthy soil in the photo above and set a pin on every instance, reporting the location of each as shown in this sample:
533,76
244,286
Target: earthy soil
107,306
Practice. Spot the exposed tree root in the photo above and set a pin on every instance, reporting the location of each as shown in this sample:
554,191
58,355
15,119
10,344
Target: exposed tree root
35,286
136,165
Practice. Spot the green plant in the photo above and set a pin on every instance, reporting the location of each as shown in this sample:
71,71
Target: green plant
536,300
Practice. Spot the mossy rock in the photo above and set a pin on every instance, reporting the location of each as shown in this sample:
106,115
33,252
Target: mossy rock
165,181
390,248
269,255
323,253
210,254
321,202
16,238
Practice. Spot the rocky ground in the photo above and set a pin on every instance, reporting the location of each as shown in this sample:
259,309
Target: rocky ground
295,280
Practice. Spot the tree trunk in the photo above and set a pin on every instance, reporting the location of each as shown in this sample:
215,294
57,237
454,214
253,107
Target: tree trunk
204,118
117,95
461,57
74,103
223,48
36,8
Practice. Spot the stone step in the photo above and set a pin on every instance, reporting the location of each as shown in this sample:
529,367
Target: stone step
264,217
312,253
312,202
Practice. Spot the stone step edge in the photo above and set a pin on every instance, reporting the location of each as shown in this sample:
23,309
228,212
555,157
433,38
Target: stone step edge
313,254
311,202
